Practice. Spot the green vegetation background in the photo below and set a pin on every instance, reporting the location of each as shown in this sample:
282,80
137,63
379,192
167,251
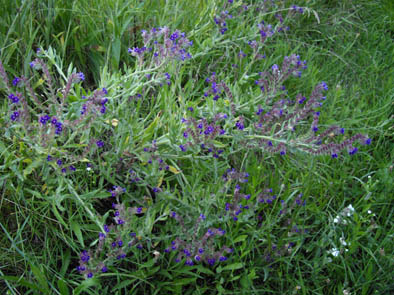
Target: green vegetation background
348,44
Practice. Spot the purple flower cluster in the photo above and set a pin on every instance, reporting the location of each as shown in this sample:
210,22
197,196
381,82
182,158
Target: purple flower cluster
164,45
117,190
266,197
203,133
14,98
96,103
195,248
266,31
291,66
133,176
15,115
60,163
17,82
216,89
297,9
154,158
113,244
221,21
77,77
235,208
58,126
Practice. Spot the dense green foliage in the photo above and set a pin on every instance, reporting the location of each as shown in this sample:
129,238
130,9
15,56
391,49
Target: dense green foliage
48,217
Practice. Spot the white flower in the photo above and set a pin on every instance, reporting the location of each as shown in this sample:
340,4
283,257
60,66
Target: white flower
342,240
336,219
369,212
334,252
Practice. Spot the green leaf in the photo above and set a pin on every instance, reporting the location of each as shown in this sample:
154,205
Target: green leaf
40,277
240,238
29,169
205,270
122,284
58,216
116,53
184,281
77,231
20,281
85,285
63,287
233,266
149,263
66,261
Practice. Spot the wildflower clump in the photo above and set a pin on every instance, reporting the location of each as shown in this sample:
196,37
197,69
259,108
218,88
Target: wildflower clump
197,246
117,240
161,45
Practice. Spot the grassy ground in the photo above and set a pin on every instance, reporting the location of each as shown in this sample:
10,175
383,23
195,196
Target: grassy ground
49,217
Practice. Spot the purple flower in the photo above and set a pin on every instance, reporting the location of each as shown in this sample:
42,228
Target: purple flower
13,98
182,147
78,77
72,168
105,90
99,143
301,101
49,158
240,126
222,258
59,162
90,275
16,81
43,120
174,36
84,256
324,85
211,261
104,269
353,151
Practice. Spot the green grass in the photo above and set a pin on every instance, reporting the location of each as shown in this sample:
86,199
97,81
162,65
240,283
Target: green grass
47,218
